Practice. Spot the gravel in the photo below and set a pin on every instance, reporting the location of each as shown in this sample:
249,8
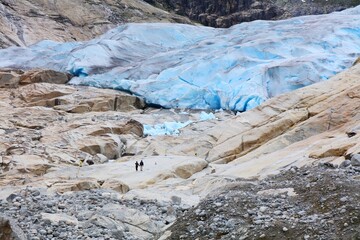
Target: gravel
325,206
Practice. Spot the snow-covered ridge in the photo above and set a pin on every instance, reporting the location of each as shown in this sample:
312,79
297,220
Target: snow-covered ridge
185,66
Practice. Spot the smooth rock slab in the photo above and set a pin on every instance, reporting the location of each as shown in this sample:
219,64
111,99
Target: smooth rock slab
275,192
132,217
75,185
61,217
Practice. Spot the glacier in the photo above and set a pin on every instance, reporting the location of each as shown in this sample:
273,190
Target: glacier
185,66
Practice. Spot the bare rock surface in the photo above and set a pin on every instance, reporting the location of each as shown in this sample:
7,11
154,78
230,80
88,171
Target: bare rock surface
12,78
313,124
50,76
70,174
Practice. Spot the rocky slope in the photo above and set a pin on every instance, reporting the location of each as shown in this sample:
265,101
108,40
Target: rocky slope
227,13
24,22
319,202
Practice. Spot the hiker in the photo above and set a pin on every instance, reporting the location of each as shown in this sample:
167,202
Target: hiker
141,165
136,165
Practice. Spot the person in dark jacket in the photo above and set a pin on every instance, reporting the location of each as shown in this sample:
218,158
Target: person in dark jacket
141,165
136,165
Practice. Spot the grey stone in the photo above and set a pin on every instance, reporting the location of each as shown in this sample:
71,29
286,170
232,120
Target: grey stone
344,199
11,197
302,213
176,200
263,209
355,160
63,235
61,206
35,193
277,213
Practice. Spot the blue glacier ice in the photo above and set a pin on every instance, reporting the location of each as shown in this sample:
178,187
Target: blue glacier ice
184,66
166,128
206,116
173,128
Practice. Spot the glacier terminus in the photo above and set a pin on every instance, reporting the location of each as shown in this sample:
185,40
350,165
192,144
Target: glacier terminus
186,66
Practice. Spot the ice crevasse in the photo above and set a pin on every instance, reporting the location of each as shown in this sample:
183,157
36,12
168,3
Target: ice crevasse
184,66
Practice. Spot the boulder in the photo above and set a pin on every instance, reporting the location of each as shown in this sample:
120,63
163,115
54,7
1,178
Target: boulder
44,75
56,218
115,185
74,185
132,217
176,200
9,230
128,102
187,169
9,79
100,158
345,164
355,160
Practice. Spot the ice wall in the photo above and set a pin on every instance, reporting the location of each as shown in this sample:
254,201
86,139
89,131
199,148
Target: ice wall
183,66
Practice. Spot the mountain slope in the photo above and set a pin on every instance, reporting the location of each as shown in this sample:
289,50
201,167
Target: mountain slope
24,22
227,13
